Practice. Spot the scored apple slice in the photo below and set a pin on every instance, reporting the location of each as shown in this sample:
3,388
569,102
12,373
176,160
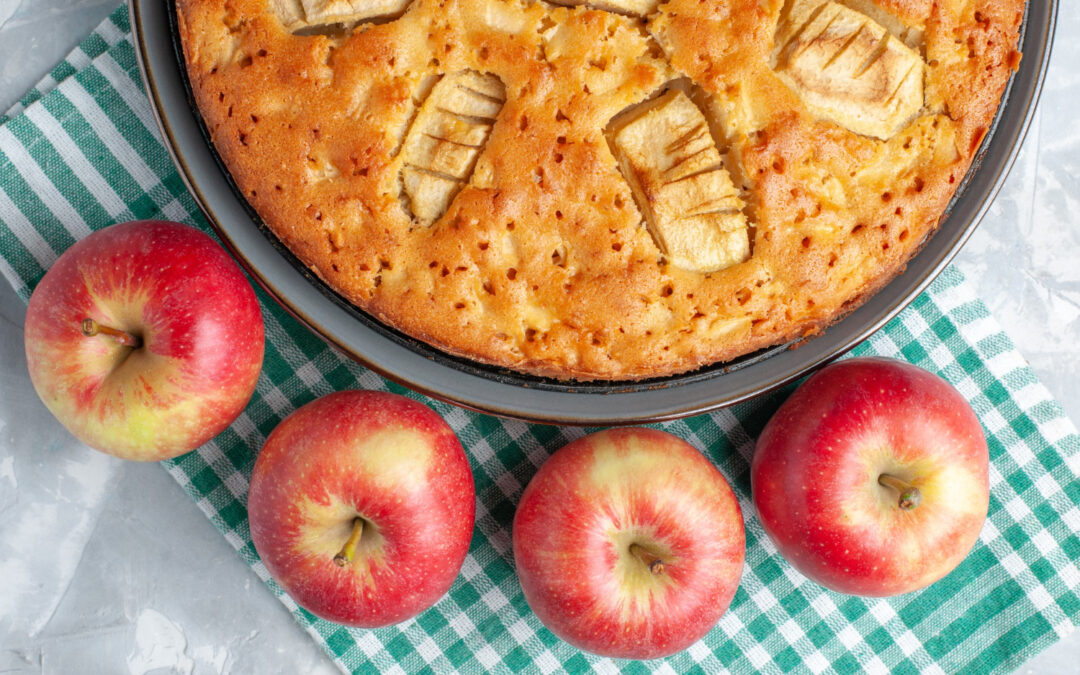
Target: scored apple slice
678,178
446,138
638,8
629,543
299,15
849,69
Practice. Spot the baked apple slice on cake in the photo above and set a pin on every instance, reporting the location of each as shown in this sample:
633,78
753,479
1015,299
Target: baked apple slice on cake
849,69
446,138
679,181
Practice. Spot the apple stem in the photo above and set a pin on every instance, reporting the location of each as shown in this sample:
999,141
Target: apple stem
910,497
345,555
90,328
648,558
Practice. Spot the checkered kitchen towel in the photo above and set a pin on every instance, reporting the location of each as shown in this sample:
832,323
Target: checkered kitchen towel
81,152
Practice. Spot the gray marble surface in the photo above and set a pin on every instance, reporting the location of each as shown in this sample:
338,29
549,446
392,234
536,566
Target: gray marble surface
108,567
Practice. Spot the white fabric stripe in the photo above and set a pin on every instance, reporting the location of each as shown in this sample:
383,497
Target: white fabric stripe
77,59
25,232
133,96
84,171
110,136
212,454
41,185
174,210
110,32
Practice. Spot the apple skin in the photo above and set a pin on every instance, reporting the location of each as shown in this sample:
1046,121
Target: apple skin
815,477
589,503
382,457
199,322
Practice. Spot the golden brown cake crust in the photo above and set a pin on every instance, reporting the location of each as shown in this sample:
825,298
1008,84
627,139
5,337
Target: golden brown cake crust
541,261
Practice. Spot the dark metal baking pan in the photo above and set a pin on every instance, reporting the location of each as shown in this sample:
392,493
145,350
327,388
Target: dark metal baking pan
512,394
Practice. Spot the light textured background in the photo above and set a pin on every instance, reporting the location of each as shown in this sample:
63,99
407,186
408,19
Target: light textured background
121,554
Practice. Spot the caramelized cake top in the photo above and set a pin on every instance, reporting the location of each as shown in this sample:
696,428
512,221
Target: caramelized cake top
618,189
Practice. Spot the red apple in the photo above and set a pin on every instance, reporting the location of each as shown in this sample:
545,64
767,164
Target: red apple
872,478
361,506
629,543
144,339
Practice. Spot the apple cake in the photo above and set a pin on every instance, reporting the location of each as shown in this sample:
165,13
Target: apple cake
607,189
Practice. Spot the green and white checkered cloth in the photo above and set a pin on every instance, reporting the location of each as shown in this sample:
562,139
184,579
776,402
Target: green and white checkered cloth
81,151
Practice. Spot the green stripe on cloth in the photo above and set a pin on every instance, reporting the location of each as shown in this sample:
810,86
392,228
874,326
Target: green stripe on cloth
81,152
